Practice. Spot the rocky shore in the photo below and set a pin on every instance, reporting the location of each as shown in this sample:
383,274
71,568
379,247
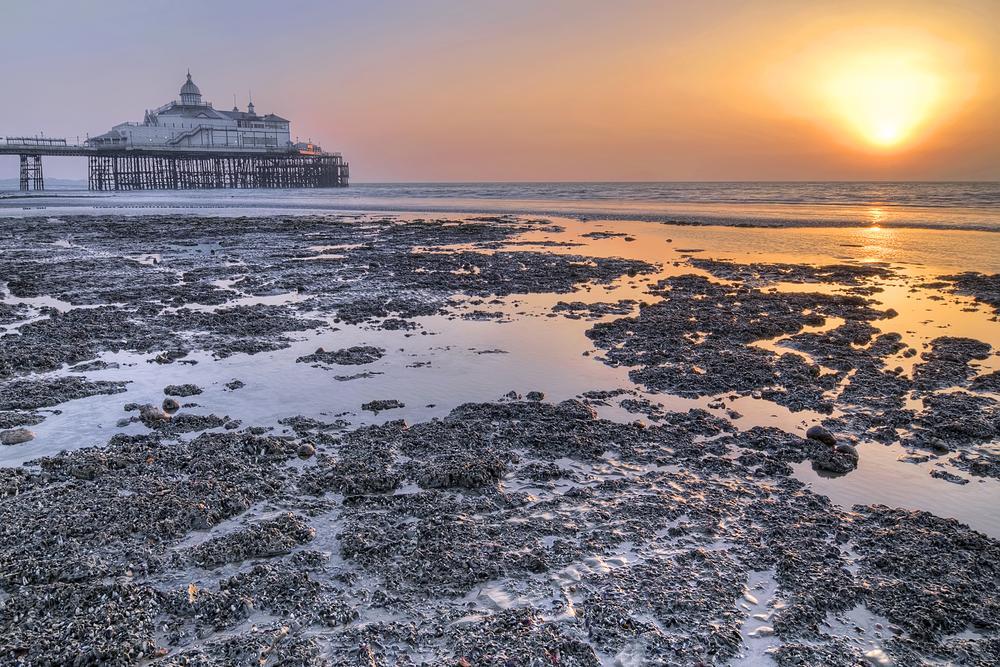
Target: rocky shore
597,529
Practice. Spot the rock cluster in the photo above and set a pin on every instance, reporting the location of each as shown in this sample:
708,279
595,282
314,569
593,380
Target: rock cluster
514,532
351,356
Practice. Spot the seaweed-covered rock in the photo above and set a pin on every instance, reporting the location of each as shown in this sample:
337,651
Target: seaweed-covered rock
983,287
271,537
694,341
31,394
954,585
182,390
519,636
763,273
100,512
14,418
380,405
467,470
947,362
350,356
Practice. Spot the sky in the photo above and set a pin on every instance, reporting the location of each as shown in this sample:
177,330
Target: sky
517,90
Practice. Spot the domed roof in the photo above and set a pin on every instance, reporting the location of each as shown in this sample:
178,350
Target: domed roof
189,87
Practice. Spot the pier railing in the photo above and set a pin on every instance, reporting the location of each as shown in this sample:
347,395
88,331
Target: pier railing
40,146
34,141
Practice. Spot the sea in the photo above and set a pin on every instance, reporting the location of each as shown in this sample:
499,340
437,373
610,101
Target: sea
931,205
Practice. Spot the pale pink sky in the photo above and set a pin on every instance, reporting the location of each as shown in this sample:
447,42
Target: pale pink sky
517,90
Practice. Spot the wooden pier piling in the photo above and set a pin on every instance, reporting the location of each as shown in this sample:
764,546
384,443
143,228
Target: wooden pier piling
31,173
185,172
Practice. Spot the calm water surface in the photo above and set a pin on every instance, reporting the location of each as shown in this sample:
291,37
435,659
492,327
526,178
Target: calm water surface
929,205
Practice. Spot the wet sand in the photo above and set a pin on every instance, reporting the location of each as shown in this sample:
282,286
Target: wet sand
397,439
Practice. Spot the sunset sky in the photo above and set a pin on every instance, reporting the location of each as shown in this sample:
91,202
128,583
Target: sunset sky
534,90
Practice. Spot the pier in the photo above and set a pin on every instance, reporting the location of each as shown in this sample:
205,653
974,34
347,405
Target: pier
181,168
189,144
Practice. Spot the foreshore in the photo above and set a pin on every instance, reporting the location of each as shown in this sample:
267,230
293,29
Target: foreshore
495,439
930,206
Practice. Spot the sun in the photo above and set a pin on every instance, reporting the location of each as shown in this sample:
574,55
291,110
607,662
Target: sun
874,87
885,98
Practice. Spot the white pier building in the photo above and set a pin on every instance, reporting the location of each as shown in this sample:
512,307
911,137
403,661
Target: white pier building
193,123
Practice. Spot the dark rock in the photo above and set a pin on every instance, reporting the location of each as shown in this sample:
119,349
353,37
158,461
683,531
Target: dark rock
150,414
947,363
30,394
351,356
470,471
579,309
820,434
846,450
182,390
378,406
761,273
261,539
834,462
12,419
426,533
694,341
984,288
16,436
937,473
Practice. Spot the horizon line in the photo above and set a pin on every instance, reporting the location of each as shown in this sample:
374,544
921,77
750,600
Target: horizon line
627,182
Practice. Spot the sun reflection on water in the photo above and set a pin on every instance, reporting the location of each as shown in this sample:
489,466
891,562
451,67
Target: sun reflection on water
875,242
876,216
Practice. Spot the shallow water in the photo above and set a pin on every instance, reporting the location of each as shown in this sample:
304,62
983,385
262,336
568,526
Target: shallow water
450,361
954,205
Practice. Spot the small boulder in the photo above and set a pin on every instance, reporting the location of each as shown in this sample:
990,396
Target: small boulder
535,396
150,414
305,451
834,462
16,436
820,434
847,450
937,444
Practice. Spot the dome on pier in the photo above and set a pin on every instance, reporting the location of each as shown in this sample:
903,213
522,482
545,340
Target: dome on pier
190,93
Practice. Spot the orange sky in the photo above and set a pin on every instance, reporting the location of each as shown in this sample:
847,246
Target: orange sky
445,90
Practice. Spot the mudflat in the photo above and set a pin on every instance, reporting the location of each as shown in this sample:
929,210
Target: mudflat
493,440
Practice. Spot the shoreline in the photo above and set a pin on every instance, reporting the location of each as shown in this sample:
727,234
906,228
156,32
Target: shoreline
438,438
749,214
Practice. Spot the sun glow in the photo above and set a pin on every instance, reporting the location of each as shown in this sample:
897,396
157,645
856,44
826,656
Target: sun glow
873,88
885,98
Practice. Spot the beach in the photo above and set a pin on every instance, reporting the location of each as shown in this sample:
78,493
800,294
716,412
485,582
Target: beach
353,433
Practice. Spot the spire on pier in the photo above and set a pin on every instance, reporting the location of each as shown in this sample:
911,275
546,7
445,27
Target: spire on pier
190,93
